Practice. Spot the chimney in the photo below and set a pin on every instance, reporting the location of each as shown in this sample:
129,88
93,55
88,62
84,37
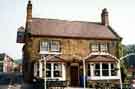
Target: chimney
29,11
104,17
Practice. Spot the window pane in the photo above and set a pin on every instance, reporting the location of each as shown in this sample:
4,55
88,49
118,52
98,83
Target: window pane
94,47
105,69
97,66
103,47
48,70
97,72
57,70
37,69
105,66
55,46
89,74
97,69
44,46
113,70
48,73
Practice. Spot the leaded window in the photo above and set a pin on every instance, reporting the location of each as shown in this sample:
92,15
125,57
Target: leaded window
89,72
113,70
48,70
94,47
105,69
57,70
97,69
103,47
50,46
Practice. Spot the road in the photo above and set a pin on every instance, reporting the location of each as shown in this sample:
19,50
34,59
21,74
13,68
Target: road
7,86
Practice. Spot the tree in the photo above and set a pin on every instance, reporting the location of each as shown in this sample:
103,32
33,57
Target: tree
127,62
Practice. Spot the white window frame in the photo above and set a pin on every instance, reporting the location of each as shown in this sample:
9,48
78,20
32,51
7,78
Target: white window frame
103,47
113,69
95,47
56,47
42,46
49,47
102,77
52,71
59,69
106,69
97,70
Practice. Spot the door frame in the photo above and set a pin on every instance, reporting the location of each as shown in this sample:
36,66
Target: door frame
75,65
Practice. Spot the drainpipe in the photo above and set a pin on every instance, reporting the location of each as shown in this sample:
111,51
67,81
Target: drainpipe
84,74
120,76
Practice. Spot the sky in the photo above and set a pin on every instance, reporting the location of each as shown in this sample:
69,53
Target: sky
13,13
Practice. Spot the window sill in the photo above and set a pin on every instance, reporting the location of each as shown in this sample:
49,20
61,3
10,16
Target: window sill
44,52
103,77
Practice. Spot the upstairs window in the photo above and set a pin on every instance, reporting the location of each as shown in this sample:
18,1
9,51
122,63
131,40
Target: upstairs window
44,46
99,47
50,46
94,47
55,46
103,48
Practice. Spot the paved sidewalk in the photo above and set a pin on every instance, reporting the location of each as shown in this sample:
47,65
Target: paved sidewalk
77,88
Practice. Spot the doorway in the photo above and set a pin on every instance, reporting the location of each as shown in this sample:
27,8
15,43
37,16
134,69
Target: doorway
74,75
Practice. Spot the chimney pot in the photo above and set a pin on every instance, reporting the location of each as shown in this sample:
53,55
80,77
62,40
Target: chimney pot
29,11
104,17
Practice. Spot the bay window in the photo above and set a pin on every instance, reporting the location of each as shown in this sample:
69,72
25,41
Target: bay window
54,70
102,69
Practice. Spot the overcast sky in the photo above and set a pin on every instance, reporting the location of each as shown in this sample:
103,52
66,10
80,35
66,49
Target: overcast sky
13,13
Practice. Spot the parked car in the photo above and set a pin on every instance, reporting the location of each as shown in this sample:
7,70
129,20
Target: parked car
10,78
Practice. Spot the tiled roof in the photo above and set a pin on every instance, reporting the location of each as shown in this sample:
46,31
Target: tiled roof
77,29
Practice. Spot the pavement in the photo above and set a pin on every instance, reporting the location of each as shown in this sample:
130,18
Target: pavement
77,88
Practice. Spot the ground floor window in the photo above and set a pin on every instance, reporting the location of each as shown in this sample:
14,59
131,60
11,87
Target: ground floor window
113,70
102,69
48,70
105,69
97,70
89,71
53,70
57,70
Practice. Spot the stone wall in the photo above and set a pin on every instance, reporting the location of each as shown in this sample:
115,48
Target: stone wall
75,48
